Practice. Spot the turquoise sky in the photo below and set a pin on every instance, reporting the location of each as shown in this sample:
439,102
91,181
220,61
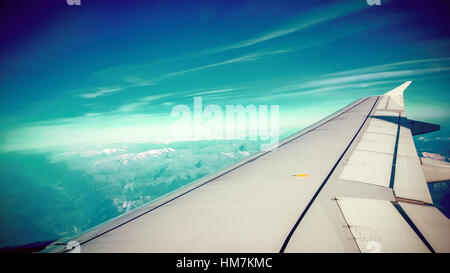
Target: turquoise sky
108,71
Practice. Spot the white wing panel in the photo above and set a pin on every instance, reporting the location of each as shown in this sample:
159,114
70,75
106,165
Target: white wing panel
377,226
371,161
409,180
383,103
394,105
382,127
433,225
368,167
379,143
383,113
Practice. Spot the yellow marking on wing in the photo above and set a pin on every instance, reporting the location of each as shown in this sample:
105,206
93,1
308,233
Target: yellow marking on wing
301,175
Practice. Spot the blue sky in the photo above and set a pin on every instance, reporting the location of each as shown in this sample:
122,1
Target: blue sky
102,71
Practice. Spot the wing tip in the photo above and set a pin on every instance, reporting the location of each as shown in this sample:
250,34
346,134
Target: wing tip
407,83
399,89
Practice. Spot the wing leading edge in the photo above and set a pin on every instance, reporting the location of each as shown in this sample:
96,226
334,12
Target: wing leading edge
366,191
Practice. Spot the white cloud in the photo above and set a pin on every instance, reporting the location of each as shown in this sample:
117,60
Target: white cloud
212,92
374,76
156,97
358,78
244,58
390,66
130,107
305,20
105,91
100,92
140,82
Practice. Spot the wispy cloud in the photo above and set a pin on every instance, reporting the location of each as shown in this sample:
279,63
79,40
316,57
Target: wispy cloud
97,92
244,58
130,107
216,91
139,83
299,90
375,76
92,114
362,78
100,92
367,75
357,78
303,21
394,65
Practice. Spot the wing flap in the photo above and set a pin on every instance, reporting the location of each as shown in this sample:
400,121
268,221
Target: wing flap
368,167
409,179
371,161
378,227
431,223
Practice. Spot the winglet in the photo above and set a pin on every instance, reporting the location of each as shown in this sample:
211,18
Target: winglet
396,94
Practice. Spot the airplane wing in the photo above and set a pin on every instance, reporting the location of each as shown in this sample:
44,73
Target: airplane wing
352,182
